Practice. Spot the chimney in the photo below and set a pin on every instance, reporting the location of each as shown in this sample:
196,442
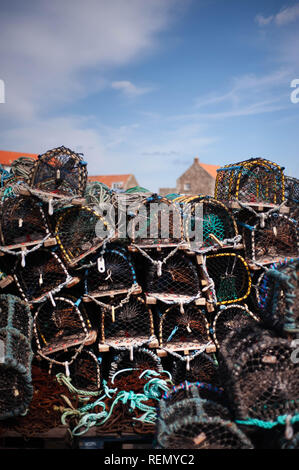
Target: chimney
196,160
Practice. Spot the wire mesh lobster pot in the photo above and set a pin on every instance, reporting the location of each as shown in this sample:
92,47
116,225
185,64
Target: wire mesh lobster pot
262,380
173,281
156,221
61,324
43,275
231,277
83,368
22,221
291,191
208,224
16,390
79,232
111,272
97,193
203,431
251,181
290,443
277,294
143,359
60,171
127,327
198,390
195,368
231,318
275,237
183,331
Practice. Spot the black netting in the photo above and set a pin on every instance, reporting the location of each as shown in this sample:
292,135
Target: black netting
60,171
128,326
42,274
291,191
186,330
231,318
197,368
231,277
278,238
143,359
60,323
80,230
178,280
22,221
114,271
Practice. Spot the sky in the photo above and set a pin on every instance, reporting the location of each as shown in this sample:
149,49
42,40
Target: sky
144,86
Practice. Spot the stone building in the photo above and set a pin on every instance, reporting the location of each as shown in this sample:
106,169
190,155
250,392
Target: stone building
198,179
116,182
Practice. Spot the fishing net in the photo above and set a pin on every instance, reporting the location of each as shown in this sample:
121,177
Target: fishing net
277,295
290,443
16,355
60,324
206,430
208,224
156,221
231,276
175,280
143,359
127,327
183,331
231,318
80,231
84,369
276,237
186,390
60,171
97,193
251,181
262,381
23,221
195,368
113,272
43,275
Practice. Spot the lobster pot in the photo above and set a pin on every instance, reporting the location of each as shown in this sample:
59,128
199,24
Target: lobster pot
291,191
156,220
290,443
60,171
127,327
80,231
22,221
112,272
196,368
208,224
15,356
231,318
277,295
276,238
183,331
83,368
263,381
61,323
21,168
43,275
202,432
97,193
187,390
143,359
251,181
231,276
174,281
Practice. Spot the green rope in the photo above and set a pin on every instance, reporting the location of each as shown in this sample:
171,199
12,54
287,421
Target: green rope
63,379
268,424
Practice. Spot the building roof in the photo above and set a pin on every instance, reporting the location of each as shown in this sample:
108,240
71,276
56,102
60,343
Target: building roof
109,179
7,157
211,169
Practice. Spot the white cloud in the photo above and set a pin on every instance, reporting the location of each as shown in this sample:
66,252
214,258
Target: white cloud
129,89
285,16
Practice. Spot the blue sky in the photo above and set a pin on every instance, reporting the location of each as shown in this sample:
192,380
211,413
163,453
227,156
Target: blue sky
144,86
